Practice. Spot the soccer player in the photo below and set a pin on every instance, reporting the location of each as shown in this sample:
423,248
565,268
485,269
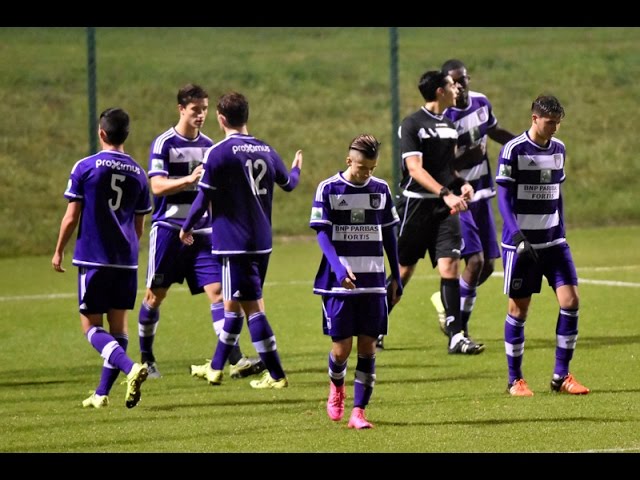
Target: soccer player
530,174
237,188
108,197
175,166
432,195
353,215
475,122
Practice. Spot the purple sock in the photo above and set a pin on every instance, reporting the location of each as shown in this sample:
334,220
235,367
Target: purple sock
227,339
566,338
109,349
337,371
148,319
265,343
365,381
109,372
514,346
217,317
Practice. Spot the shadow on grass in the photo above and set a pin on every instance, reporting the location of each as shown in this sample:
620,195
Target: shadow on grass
510,421
234,403
33,383
608,341
583,342
449,378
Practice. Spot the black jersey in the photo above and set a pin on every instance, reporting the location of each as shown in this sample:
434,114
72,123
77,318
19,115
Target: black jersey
433,137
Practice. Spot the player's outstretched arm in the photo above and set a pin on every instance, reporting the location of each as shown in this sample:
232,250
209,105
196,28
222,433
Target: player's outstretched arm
297,160
289,180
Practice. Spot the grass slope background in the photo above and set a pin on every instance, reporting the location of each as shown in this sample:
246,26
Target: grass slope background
309,88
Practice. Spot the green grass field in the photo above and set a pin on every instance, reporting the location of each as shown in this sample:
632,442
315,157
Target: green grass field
424,400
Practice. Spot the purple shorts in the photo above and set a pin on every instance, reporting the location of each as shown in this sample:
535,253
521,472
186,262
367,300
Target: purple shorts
171,261
479,230
103,289
522,277
351,315
243,276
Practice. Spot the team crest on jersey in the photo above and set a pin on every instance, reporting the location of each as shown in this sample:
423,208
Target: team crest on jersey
545,176
505,170
482,115
193,164
557,159
316,213
375,200
157,164
357,215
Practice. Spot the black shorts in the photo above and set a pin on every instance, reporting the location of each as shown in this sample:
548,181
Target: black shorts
101,289
426,225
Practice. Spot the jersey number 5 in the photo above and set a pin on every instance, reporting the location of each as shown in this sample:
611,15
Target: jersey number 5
115,178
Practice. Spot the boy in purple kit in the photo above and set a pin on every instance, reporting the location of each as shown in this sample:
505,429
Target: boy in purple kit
354,217
175,167
108,197
530,174
237,189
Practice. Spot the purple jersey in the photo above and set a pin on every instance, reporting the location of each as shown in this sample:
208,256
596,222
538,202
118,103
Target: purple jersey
532,175
113,189
175,156
355,215
472,124
239,176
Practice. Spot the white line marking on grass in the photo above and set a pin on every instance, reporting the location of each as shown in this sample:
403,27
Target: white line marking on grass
61,296
612,450
46,296
609,283
608,269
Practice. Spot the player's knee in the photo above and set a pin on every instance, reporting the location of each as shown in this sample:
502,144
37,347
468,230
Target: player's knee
154,298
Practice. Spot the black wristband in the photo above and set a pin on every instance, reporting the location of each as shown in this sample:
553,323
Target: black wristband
444,192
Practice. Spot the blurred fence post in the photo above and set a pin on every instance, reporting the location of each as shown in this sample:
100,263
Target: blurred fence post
395,147
91,91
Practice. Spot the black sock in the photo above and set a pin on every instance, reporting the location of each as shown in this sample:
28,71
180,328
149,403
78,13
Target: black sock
450,293
235,355
147,357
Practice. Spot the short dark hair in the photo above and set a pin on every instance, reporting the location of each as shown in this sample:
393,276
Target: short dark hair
235,107
430,82
547,106
115,124
190,93
451,64
367,144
